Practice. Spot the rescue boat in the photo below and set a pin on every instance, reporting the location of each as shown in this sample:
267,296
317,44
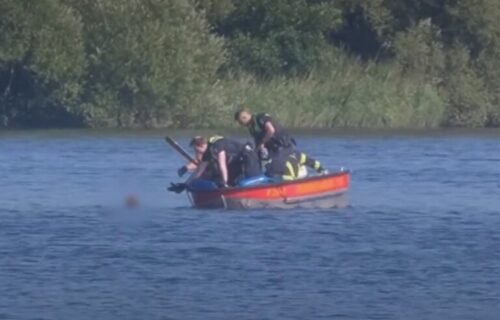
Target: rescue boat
324,191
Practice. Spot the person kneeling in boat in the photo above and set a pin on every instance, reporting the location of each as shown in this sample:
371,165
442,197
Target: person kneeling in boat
307,162
284,168
230,159
273,139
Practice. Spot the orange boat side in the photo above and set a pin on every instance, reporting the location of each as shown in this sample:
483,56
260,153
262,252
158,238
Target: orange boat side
292,189
309,188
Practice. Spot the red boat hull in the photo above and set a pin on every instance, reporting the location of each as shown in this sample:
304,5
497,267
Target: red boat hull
322,191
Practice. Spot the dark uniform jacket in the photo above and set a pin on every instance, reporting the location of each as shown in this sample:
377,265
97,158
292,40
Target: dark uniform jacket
242,161
218,144
280,139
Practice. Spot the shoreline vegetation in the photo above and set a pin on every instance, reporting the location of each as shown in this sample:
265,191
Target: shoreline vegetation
238,133
313,64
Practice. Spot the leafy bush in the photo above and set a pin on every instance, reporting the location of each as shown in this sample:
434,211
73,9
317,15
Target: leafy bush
467,94
41,62
186,63
270,37
351,94
151,63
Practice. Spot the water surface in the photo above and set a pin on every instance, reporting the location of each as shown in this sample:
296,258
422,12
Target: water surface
419,241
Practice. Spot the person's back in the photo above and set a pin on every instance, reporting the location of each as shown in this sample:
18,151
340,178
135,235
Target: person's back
241,159
217,144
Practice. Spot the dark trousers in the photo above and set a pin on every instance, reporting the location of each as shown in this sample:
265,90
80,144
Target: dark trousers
250,163
281,152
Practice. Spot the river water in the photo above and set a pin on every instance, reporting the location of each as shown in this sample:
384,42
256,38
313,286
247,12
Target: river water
420,239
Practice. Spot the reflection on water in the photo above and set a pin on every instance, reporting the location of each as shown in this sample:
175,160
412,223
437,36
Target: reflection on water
419,240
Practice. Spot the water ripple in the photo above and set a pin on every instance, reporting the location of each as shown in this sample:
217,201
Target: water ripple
419,240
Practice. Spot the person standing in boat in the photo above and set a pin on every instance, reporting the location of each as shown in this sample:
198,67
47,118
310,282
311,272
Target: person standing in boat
271,138
230,159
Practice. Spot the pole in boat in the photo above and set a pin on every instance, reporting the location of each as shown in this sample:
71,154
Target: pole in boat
179,187
171,142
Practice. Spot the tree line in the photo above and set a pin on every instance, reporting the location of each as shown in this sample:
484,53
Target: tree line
190,63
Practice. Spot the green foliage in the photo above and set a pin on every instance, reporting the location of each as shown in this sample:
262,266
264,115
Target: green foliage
152,63
41,61
215,10
419,52
269,37
453,45
489,70
351,94
186,63
468,97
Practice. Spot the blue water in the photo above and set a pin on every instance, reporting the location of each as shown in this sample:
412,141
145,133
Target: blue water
420,240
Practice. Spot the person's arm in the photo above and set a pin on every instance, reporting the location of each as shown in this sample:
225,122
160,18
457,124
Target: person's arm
180,187
188,167
191,166
221,159
270,130
199,171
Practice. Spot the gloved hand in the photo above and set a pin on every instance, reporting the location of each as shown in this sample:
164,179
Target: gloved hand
177,187
182,171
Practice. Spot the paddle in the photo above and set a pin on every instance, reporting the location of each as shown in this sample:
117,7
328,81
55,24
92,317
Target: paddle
180,150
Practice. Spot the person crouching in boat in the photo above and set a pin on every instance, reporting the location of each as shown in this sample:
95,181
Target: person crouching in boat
284,168
269,135
230,160
306,161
